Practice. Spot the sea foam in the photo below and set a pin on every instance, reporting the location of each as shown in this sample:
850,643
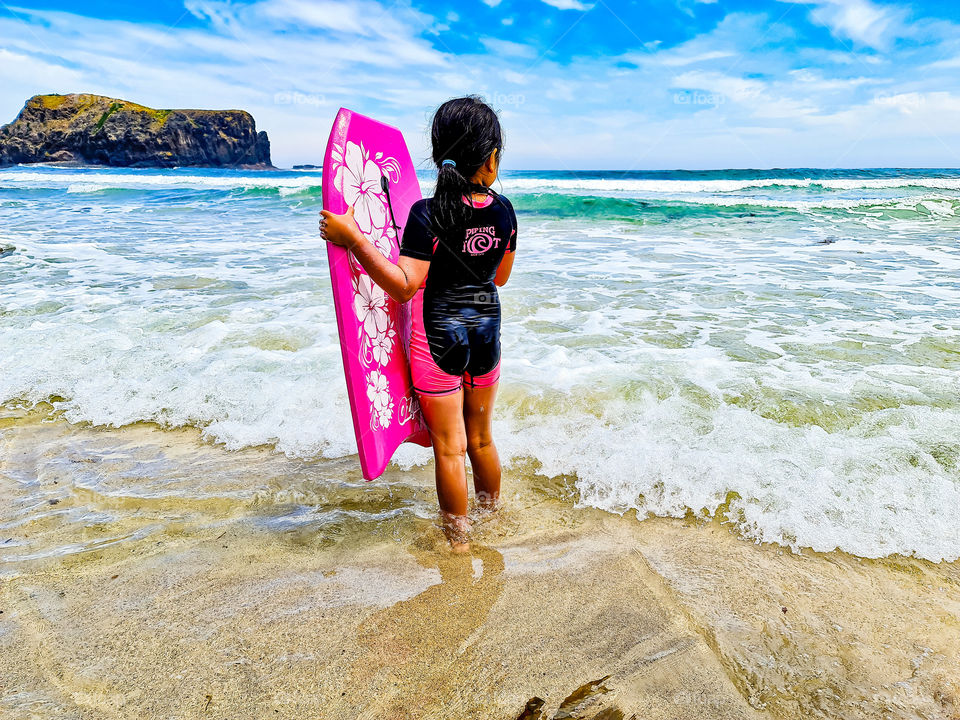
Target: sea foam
792,374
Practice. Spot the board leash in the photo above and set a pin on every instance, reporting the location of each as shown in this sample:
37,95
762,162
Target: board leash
385,186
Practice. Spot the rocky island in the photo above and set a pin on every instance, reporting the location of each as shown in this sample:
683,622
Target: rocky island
98,130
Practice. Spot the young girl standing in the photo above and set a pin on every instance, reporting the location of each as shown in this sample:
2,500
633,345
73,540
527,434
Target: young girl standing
457,248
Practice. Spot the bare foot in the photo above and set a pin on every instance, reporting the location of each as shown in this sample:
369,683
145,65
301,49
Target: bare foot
457,529
459,548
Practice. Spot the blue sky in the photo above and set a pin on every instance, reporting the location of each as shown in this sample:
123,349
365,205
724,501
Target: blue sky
581,84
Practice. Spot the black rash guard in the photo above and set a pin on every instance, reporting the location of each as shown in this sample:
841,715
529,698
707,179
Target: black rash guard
461,308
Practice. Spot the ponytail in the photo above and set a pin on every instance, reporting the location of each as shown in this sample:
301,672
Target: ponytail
466,131
448,208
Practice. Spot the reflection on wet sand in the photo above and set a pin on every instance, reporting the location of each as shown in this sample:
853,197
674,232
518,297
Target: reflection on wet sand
176,579
410,650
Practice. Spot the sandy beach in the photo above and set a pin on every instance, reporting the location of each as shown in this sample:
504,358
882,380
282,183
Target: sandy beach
176,607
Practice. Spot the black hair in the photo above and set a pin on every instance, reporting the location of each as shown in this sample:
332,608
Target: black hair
465,130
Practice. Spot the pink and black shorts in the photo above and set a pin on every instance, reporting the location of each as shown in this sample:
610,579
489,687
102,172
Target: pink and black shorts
428,378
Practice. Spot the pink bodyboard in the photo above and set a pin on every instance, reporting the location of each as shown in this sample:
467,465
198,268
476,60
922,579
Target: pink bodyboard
374,328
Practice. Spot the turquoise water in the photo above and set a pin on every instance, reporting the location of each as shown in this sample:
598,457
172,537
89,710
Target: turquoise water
777,347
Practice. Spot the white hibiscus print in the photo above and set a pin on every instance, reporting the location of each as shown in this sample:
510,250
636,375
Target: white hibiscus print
358,179
382,345
386,414
378,392
370,305
386,241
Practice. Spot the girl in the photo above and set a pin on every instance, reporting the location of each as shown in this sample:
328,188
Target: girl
457,248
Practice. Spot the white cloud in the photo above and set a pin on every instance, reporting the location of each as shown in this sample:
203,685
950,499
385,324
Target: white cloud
736,88
514,77
16,68
508,48
747,92
948,64
677,59
568,4
733,37
563,91
342,17
291,69
862,21
811,80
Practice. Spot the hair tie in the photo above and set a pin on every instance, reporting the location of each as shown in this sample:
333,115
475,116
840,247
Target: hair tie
449,162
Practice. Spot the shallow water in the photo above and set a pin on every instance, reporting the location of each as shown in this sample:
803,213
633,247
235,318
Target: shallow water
775,350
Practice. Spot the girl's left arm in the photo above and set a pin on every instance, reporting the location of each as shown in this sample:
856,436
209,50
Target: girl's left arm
506,262
400,280
504,269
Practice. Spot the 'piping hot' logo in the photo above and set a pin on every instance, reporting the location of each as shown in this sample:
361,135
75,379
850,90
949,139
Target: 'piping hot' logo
479,240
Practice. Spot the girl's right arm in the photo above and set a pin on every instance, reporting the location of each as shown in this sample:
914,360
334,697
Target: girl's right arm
400,280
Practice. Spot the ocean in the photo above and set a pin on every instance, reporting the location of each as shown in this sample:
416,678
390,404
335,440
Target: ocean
777,350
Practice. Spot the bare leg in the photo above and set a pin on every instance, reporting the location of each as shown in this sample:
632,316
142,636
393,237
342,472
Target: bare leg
478,421
444,416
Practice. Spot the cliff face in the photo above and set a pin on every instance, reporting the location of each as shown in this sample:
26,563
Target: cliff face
99,130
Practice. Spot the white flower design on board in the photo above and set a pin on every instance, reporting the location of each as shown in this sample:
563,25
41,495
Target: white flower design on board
378,392
382,345
358,179
386,241
357,175
377,331
370,305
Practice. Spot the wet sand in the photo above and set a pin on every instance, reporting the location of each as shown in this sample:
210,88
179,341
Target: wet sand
175,579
